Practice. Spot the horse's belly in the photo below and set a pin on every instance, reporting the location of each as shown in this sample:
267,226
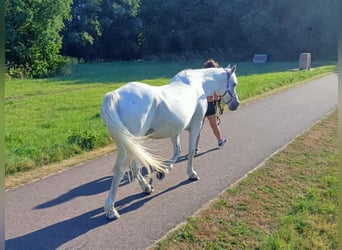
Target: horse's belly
164,133
167,128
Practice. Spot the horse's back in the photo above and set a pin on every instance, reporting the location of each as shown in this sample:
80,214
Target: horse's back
165,110
146,109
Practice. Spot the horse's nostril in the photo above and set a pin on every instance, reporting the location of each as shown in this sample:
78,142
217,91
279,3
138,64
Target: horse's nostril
234,105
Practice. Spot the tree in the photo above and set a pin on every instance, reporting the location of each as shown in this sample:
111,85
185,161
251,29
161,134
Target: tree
190,29
164,29
121,28
285,28
83,29
33,41
103,29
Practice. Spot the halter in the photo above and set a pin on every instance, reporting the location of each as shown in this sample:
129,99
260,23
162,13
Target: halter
227,89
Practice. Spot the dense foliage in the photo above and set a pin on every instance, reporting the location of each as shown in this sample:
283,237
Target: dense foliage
33,41
238,29
39,32
102,29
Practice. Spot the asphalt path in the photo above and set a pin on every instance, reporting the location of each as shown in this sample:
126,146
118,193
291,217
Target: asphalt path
65,210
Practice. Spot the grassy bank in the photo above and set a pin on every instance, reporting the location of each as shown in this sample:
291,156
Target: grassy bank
290,202
48,120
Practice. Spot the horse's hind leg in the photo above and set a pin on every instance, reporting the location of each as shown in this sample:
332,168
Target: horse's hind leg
118,173
146,187
193,134
176,150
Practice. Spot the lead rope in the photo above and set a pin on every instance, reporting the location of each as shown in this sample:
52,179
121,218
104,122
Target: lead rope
219,104
219,108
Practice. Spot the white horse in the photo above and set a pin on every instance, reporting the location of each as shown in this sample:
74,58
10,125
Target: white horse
138,111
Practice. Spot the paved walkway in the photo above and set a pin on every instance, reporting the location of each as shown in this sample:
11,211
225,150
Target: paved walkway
65,211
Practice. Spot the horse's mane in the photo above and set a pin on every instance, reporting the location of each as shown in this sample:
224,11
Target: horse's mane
185,75
182,76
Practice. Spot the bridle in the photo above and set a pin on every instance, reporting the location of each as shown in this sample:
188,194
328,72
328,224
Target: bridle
227,89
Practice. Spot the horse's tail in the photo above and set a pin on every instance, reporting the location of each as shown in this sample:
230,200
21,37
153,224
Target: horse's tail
131,145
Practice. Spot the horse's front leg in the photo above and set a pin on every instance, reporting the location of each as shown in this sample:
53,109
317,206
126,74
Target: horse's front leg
118,172
146,187
193,134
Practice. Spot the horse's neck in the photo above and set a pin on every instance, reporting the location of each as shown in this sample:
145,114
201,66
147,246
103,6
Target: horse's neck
210,87
210,83
212,80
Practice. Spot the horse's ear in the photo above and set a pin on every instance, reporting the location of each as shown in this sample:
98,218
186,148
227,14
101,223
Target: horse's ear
228,67
233,69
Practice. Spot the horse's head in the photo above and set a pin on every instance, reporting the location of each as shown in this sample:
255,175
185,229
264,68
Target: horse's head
230,96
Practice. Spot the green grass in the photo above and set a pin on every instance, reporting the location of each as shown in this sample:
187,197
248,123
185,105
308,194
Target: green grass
48,120
288,203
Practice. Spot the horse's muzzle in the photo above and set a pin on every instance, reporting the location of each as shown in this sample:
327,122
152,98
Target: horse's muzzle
233,105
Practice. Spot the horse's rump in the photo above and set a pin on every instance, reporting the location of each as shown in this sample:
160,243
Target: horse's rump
129,145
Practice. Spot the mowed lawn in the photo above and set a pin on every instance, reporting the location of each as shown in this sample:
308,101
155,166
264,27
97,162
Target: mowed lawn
48,120
290,202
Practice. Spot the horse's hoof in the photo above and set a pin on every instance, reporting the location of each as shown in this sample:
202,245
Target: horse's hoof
160,175
148,190
112,215
194,177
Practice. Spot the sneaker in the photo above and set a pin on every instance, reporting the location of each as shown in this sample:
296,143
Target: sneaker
196,151
222,142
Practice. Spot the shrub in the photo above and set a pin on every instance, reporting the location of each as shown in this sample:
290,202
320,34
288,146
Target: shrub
84,139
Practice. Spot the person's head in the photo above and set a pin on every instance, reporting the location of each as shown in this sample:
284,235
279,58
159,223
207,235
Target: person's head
210,63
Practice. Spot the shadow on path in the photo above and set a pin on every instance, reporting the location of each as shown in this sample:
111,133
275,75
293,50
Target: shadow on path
102,185
185,157
55,235
136,201
91,188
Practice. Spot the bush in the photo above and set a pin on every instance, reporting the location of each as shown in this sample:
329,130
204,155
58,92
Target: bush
14,70
84,139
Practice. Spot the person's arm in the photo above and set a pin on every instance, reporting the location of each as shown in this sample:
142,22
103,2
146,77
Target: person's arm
216,97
